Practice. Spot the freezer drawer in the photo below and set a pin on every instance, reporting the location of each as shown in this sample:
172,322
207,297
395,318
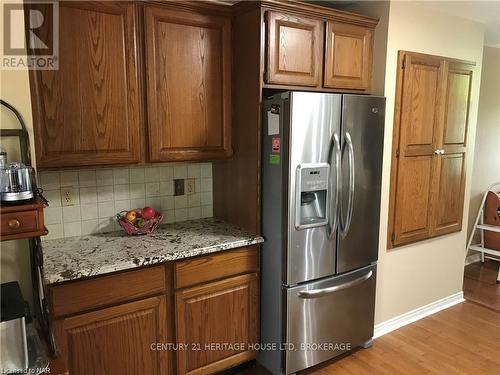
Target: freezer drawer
328,317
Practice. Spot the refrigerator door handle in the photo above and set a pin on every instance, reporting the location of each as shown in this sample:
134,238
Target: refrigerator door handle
333,209
316,293
347,223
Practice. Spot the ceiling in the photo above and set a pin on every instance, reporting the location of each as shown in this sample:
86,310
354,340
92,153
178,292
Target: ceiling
485,12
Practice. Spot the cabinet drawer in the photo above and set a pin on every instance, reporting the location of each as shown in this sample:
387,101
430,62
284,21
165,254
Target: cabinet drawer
78,296
211,267
15,224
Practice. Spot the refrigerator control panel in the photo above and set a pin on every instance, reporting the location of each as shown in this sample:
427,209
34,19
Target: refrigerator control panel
314,178
311,208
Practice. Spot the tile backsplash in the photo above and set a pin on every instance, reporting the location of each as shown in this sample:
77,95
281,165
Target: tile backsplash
96,195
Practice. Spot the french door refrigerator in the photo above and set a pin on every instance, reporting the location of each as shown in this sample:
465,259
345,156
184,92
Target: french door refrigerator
321,176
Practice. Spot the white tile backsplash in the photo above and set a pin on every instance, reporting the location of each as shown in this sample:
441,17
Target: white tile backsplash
99,194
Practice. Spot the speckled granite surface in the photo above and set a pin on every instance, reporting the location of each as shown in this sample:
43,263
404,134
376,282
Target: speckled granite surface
76,257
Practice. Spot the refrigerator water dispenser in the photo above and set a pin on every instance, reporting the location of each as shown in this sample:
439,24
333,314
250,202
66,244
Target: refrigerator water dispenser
311,195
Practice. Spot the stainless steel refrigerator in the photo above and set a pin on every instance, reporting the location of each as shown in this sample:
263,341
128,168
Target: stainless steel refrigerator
321,176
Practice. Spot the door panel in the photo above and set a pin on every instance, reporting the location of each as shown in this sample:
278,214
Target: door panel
188,77
420,104
348,56
219,313
413,199
363,119
457,107
337,317
88,111
294,49
115,340
314,118
449,199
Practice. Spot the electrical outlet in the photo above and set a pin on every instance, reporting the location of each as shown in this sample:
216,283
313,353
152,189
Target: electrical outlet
179,187
67,197
190,187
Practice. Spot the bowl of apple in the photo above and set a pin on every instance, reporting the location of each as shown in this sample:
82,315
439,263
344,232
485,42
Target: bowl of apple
139,221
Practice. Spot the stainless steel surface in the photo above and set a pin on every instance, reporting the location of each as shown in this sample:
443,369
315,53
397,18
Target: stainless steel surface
312,181
345,224
338,321
13,345
16,182
316,293
334,187
314,118
363,120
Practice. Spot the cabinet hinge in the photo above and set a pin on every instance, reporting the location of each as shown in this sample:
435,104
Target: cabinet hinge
397,153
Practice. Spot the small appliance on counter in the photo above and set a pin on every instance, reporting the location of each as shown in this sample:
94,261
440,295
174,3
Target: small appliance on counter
16,183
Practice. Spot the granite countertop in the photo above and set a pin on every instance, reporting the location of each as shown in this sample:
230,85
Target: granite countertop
77,257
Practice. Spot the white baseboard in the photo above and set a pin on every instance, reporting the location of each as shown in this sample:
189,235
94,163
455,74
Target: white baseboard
473,258
419,313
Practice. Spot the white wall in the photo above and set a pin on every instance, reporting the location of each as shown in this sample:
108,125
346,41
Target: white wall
486,169
415,275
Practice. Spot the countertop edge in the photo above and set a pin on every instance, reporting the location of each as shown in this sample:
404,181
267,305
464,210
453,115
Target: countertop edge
162,258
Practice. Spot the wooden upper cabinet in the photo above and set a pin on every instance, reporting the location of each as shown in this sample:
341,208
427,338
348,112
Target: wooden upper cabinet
188,84
116,340
294,50
348,56
428,164
452,135
88,111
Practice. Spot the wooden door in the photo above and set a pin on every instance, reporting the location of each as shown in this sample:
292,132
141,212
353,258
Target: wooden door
452,134
219,313
418,107
117,340
88,111
189,85
348,56
294,50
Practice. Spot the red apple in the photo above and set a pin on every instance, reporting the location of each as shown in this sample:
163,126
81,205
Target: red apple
148,213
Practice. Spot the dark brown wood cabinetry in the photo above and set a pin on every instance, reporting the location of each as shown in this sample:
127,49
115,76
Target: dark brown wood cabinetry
188,59
211,317
348,56
111,324
294,49
88,111
299,54
116,340
428,165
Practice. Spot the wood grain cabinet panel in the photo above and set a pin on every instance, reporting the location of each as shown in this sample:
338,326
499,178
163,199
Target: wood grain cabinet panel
429,147
188,81
348,56
115,340
88,111
294,50
219,313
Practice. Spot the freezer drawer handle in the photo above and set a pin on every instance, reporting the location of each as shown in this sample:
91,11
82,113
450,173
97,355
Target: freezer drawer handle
316,293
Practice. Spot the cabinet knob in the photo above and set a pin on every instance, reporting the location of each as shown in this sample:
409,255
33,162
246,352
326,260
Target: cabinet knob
13,224
439,152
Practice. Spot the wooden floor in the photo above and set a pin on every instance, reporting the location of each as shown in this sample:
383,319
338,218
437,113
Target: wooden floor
480,284
463,339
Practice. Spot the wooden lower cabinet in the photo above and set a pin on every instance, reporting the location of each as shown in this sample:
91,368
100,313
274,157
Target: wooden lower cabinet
212,319
116,340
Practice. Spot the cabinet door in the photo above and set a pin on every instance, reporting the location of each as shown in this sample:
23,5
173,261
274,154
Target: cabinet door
452,134
220,313
88,111
116,340
413,181
294,50
188,78
348,56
